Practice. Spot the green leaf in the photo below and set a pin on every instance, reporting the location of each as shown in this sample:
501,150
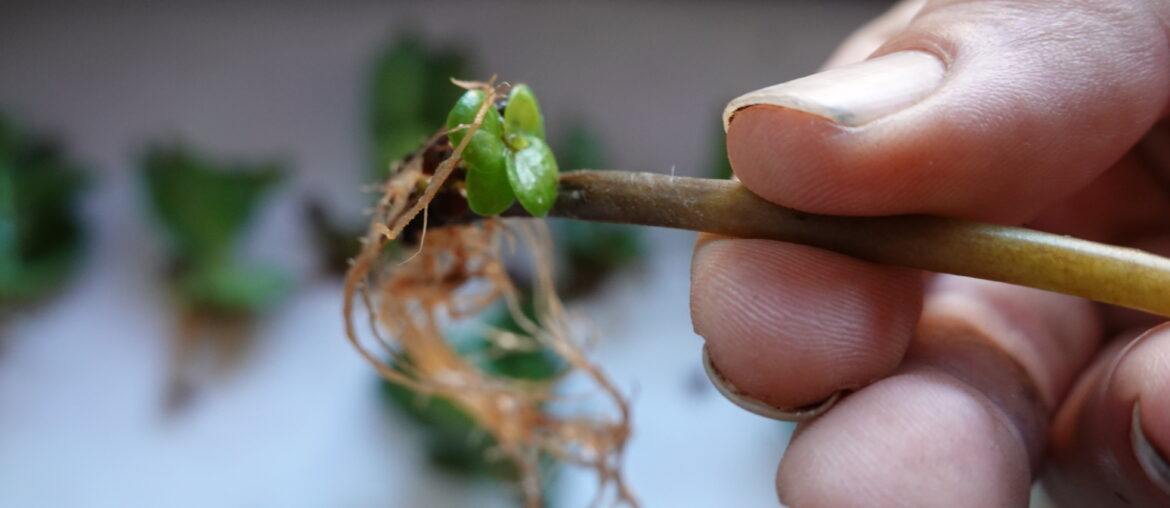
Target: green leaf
232,288
532,171
486,150
464,112
399,81
522,116
204,205
489,193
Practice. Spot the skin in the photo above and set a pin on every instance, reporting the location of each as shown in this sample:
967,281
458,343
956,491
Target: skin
963,391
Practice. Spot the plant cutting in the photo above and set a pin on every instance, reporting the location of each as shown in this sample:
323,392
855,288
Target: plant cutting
592,253
204,207
450,202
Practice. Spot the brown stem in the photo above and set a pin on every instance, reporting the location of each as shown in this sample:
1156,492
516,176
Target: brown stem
1105,273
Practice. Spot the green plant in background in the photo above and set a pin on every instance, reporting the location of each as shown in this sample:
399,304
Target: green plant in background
204,206
40,235
720,166
591,251
453,442
409,95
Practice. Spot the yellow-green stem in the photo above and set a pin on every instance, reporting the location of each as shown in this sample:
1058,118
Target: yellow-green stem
1105,273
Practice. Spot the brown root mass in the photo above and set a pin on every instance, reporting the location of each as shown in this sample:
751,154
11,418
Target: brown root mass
456,272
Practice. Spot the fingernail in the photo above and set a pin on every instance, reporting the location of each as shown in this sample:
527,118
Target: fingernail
1152,461
855,94
783,414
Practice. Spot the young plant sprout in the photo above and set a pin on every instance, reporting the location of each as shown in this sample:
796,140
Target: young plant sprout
507,158
456,270
484,161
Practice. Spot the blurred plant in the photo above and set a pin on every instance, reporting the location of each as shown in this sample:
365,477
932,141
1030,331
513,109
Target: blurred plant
204,208
40,235
454,442
720,166
591,251
409,94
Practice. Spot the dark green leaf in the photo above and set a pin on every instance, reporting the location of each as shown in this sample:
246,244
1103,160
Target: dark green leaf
410,93
581,148
720,166
399,81
40,235
442,66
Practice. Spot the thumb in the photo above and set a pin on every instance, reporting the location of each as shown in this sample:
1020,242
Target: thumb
986,110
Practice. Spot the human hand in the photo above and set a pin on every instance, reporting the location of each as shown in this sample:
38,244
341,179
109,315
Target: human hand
963,391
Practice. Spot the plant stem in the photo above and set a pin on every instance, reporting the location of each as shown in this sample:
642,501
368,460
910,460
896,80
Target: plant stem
1105,273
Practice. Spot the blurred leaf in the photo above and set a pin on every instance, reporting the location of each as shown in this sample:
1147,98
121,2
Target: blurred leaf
40,235
204,205
442,65
591,250
581,148
720,166
410,94
233,289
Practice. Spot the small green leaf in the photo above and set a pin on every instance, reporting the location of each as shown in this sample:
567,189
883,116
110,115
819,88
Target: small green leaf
532,171
488,192
486,151
464,114
522,116
40,234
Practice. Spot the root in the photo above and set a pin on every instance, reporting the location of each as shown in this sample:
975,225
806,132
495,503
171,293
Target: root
458,273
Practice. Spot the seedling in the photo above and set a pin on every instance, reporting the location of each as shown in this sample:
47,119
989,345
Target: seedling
454,269
507,158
